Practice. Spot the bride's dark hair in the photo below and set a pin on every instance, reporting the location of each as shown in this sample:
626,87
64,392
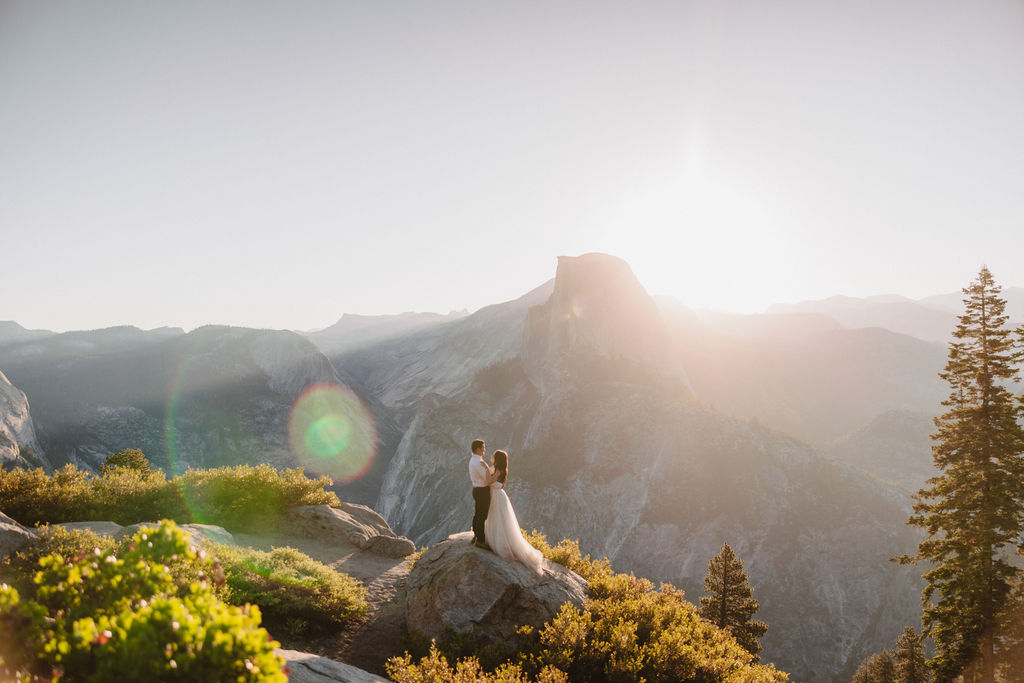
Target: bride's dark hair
501,464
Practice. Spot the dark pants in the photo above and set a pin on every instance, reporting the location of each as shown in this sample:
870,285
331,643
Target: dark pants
482,498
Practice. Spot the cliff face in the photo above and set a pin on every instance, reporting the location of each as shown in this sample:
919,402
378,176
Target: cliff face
18,444
609,446
598,310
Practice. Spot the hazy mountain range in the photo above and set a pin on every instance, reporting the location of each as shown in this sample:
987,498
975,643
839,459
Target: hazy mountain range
650,431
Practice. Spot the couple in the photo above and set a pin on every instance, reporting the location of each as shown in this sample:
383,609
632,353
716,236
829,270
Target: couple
495,526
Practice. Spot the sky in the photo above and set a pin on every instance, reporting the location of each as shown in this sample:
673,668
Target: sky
278,164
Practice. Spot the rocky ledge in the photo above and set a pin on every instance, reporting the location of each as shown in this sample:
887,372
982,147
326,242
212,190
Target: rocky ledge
13,536
355,524
458,586
308,668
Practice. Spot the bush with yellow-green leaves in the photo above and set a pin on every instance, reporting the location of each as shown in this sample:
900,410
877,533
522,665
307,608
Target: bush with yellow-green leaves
244,498
149,613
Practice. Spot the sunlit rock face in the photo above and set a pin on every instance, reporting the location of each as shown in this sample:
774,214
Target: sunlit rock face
609,446
216,396
598,309
18,444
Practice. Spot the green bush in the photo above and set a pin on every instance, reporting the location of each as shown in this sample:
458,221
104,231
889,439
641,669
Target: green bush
567,553
294,591
130,617
127,495
20,567
434,668
244,498
33,497
628,631
250,497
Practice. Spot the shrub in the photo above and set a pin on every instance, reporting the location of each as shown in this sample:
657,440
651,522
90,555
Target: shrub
250,497
127,495
32,497
243,498
293,590
628,631
434,669
70,544
126,618
567,553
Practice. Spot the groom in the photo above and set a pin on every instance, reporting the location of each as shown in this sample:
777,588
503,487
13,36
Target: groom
481,477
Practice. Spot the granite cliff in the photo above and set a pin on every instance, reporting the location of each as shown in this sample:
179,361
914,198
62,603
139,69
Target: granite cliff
18,444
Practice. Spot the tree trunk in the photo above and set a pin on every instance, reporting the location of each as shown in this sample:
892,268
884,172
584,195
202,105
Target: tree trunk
988,659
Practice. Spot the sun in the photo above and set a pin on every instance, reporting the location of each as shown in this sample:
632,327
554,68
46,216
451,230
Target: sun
704,243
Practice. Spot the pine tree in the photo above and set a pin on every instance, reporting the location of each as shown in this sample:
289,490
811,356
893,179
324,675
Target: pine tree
910,659
973,511
729,601
878,668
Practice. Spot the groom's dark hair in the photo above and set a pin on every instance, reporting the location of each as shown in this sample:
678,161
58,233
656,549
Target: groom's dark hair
476,445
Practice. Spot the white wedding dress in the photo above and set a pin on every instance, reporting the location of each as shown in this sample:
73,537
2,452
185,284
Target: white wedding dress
504,535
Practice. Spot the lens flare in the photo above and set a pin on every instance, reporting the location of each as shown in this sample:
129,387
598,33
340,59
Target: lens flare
332,433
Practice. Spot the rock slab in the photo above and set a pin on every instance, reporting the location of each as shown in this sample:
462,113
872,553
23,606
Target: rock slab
456,585
351,523
13,536
308,668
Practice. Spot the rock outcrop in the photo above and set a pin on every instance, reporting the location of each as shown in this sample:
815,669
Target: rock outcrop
18,444
308,668
13,536
351,523
458,586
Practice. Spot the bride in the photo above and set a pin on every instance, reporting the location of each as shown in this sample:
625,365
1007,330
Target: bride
502,528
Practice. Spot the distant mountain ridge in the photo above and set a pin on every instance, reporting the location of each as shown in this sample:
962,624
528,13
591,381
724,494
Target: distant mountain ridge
932,318
214,396
11,332
352,331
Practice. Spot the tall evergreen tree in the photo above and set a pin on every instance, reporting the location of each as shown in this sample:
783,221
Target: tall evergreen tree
973,511
910,659
729,601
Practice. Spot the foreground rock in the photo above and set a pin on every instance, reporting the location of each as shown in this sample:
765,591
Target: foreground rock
309,668
194,532
455,585
13,536
352,523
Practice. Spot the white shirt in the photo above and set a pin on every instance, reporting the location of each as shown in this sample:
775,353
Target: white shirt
478,471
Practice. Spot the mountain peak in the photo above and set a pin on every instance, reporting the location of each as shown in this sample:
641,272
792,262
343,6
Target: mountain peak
597,309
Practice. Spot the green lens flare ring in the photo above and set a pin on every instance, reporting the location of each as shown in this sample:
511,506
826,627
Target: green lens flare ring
331,432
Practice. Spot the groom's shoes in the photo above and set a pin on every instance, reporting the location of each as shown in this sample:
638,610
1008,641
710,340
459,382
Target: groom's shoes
480,544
